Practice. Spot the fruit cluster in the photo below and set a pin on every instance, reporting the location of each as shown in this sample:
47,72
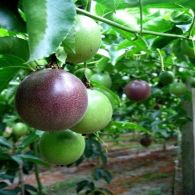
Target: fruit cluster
57,101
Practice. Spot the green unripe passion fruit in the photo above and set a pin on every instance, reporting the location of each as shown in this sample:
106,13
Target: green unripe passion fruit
62,148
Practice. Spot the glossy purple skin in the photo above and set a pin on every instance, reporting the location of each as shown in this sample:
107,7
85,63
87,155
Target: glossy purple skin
137,90
51,100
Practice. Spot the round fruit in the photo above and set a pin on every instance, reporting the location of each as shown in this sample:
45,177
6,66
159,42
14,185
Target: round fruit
137,90
98,114
187,48
87,40
166,77
102,79
62,148
192,82
20,129
51,100
146,141
178,88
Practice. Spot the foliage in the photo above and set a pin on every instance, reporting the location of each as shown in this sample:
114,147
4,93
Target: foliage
135,45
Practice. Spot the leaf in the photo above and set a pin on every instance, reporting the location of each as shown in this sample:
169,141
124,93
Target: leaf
100,173
48,23
9,66
158,3
9,192
104,6
123,126
161,3
14,46
153,19
114,98
3,184
29,140
84,184
5,143
10,18
33,159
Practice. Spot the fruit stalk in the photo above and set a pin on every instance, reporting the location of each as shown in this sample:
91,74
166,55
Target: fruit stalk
21,179
161,60
36,171
141,16
125,28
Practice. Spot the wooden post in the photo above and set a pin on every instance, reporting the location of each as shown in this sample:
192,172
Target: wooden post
188,148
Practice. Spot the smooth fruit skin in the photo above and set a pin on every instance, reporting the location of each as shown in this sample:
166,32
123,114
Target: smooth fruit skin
51,99
61,148
19,129
166,77
137,90
177,88
102,78
87,40
98,115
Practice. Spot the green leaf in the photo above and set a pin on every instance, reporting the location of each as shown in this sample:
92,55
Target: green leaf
10,18
114,98
8,192
48,23
153,19
29,140
122,126
161,3
104,6
14,46
100,173
9,66
5,143
33,159
158,3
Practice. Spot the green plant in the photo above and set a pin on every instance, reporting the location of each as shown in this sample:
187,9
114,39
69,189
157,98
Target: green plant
62,148
98,115
51,100
36,35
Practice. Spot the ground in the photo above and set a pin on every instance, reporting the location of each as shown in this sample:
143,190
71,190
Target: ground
136,171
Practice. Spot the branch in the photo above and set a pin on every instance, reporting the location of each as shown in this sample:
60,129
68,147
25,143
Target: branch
125,28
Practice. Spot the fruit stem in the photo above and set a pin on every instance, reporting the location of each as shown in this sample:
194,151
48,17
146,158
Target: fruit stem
21,179
141,16
88,6
161,60
125,28
36,171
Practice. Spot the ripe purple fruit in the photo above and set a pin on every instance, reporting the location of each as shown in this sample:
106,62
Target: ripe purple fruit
137,90
146,141
51,99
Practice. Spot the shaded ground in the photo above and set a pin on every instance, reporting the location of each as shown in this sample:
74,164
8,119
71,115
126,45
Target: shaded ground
136,171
